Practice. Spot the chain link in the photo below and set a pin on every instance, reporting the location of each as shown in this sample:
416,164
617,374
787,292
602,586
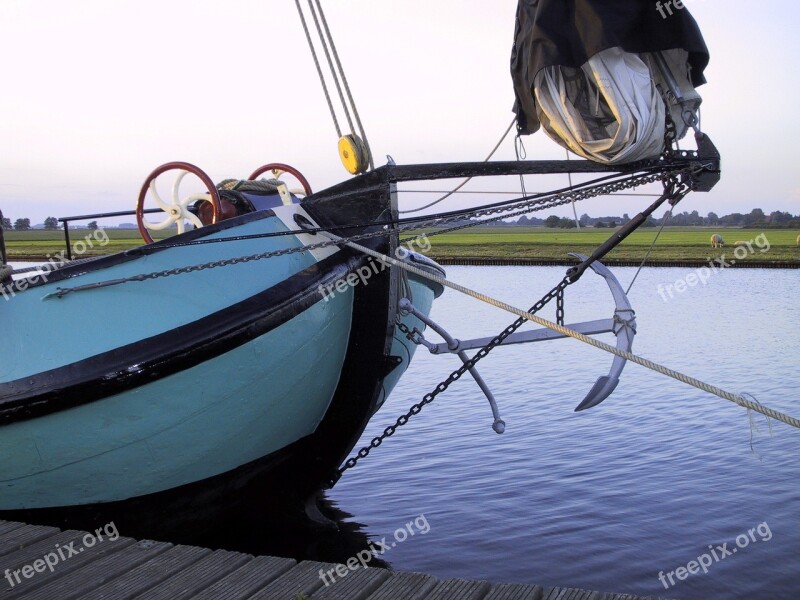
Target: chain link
560,307
443,385
501,212
545,203
674,185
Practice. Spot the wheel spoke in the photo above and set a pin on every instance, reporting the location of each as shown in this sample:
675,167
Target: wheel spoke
181,226
159,202
160,226
194,220
176,187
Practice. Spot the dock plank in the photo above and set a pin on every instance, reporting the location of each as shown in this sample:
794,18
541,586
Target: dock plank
405,586
461,589
73,563
23,536
6,526
95,573
148,574
27,554
356,585
248,579
574,594
515,591
197,577
303,578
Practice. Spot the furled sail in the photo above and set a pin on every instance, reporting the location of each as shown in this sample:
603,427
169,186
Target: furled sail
600,76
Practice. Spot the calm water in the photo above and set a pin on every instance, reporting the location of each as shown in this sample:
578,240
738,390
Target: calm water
604,499
607,498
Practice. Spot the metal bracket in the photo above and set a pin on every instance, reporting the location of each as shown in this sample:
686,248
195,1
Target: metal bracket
406,306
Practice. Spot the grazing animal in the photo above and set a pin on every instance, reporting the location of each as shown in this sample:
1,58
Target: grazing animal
798,240
717,241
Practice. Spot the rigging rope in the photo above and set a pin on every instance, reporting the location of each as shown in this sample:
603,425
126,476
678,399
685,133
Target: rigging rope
650,249
468,179
319,69
346,84
359,145
527,205
735,398
569,178
336,81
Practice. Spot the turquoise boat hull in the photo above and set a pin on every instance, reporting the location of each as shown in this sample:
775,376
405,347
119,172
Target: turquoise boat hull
181,398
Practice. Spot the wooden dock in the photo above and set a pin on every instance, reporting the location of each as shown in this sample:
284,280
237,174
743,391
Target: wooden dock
38,563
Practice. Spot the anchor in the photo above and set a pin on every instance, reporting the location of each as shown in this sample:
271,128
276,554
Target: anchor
624,329
622,325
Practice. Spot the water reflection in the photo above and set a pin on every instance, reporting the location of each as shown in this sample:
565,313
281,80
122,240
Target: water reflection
296,536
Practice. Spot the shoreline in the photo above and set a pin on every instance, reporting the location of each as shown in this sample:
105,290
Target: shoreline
487,261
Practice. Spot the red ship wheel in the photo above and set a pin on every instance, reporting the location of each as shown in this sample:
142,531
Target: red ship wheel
178,211
279,169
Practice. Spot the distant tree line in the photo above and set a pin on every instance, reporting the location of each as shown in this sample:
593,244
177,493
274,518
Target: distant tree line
755,218
24,224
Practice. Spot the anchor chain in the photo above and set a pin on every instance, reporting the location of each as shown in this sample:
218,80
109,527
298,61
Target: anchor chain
560,307
674,189
523,207
443,385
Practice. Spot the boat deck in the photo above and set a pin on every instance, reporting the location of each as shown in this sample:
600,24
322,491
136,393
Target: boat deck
55,564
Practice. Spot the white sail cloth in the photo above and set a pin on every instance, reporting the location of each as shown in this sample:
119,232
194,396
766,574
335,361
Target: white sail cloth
611,110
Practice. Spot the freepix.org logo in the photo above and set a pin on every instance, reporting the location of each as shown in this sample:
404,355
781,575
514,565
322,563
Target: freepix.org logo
61,553
419,525
363,274
716,553
98,238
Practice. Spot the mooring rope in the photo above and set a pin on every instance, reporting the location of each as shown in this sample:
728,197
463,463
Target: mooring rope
653,366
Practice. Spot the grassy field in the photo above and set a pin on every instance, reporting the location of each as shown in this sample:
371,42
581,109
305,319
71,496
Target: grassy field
675,243
41,244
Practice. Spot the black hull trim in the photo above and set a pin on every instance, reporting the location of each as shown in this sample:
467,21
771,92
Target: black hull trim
106,374
284,480
273,489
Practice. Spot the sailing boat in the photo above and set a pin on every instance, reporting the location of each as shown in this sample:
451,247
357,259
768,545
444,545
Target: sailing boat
239,361
209,378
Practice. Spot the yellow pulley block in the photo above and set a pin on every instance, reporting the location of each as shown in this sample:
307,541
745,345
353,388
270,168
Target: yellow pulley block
354,154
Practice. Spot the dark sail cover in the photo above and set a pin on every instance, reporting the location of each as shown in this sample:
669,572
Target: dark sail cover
569,32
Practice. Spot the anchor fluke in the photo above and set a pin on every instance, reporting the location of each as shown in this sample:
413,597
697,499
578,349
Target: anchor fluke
602,389
624,329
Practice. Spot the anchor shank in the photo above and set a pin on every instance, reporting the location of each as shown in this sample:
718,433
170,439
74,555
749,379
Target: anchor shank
524,337
575,273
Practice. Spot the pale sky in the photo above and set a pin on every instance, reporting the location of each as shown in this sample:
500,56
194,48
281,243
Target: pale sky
97,93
